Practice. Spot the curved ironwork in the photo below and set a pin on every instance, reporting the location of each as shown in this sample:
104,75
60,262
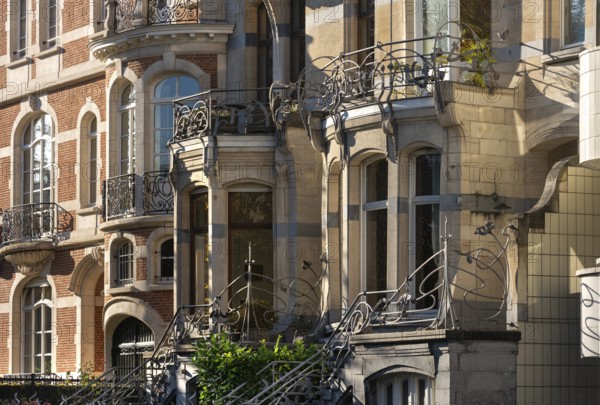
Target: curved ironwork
124,14
159,196
590,325
173,11
119,199
41,221
216,112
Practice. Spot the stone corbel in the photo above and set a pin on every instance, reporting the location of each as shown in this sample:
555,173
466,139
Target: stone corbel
30,258
316,133
389,129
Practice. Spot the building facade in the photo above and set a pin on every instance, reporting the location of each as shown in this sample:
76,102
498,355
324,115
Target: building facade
413,184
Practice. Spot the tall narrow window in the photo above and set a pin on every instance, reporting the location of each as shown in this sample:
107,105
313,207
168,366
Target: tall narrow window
127,131
93,162
426,224
375,225
265,52
167,256
124,256
573,22
37,313
165,92
401,389
199,276
251,226
366,26
52,24
298,39
38,161
21,29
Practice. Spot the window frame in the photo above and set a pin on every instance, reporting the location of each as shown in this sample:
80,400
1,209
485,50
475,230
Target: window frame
27,162
367,207
563,25
264,51
159,260
21,42
30,310
158,101
92,162
124,254
415,201
127,109
401,382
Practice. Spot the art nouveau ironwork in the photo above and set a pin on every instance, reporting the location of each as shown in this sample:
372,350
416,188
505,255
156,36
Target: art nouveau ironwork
41,221
158,193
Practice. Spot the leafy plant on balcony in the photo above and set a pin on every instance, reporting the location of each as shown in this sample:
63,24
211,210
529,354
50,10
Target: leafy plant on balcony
479,55
224,365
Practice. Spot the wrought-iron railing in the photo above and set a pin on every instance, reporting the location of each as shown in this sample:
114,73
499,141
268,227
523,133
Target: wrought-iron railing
30,222
221,112
119,196
158,193
173,11
399,307
125,14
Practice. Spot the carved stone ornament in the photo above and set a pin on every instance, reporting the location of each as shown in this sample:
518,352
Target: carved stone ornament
29,258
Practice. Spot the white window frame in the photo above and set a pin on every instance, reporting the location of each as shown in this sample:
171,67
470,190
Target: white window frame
128,110
124,258
396,381
157,101
413,202
47,137
22,33
27,310
365,208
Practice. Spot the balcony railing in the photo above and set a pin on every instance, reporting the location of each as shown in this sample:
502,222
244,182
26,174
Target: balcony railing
32,222
130,14
119,195
221,112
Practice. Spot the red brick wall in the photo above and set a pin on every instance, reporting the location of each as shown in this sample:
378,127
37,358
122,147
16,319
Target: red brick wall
75,14
2,77
208,63
9,113
3,17
98,329
67,101
67,164
4,333
62,268
5,171
76,52
65,337
139,66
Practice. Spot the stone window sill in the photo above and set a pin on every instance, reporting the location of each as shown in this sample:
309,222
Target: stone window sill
563,55
25,60
120,290
49,52
89,211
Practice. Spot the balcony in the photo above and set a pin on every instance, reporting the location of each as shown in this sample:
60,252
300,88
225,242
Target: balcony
35,222
217,112
30,233
119,195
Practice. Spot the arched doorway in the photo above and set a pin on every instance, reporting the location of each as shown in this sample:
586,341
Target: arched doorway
131,340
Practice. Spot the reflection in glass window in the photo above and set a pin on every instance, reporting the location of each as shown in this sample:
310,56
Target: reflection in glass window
426,223
375,225
167,90
251,222
37,313
38,161
127,131
573,22
124,264
167,256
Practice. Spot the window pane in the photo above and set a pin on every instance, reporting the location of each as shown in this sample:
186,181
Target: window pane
201,211
250,208
405,392
167,254
376,250
574,21
188,86
166,88
163,116
427,175
389,394
377,181
427,242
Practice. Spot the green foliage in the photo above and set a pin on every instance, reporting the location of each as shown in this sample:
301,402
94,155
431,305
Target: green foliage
224,365
480,56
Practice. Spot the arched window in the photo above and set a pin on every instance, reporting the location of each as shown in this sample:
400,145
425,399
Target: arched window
92,161
38,161
37,314
124,258
167,90
425,218
374,225
131,339
127,130
166,260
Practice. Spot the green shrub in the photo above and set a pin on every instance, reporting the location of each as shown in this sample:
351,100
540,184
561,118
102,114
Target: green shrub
224,365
